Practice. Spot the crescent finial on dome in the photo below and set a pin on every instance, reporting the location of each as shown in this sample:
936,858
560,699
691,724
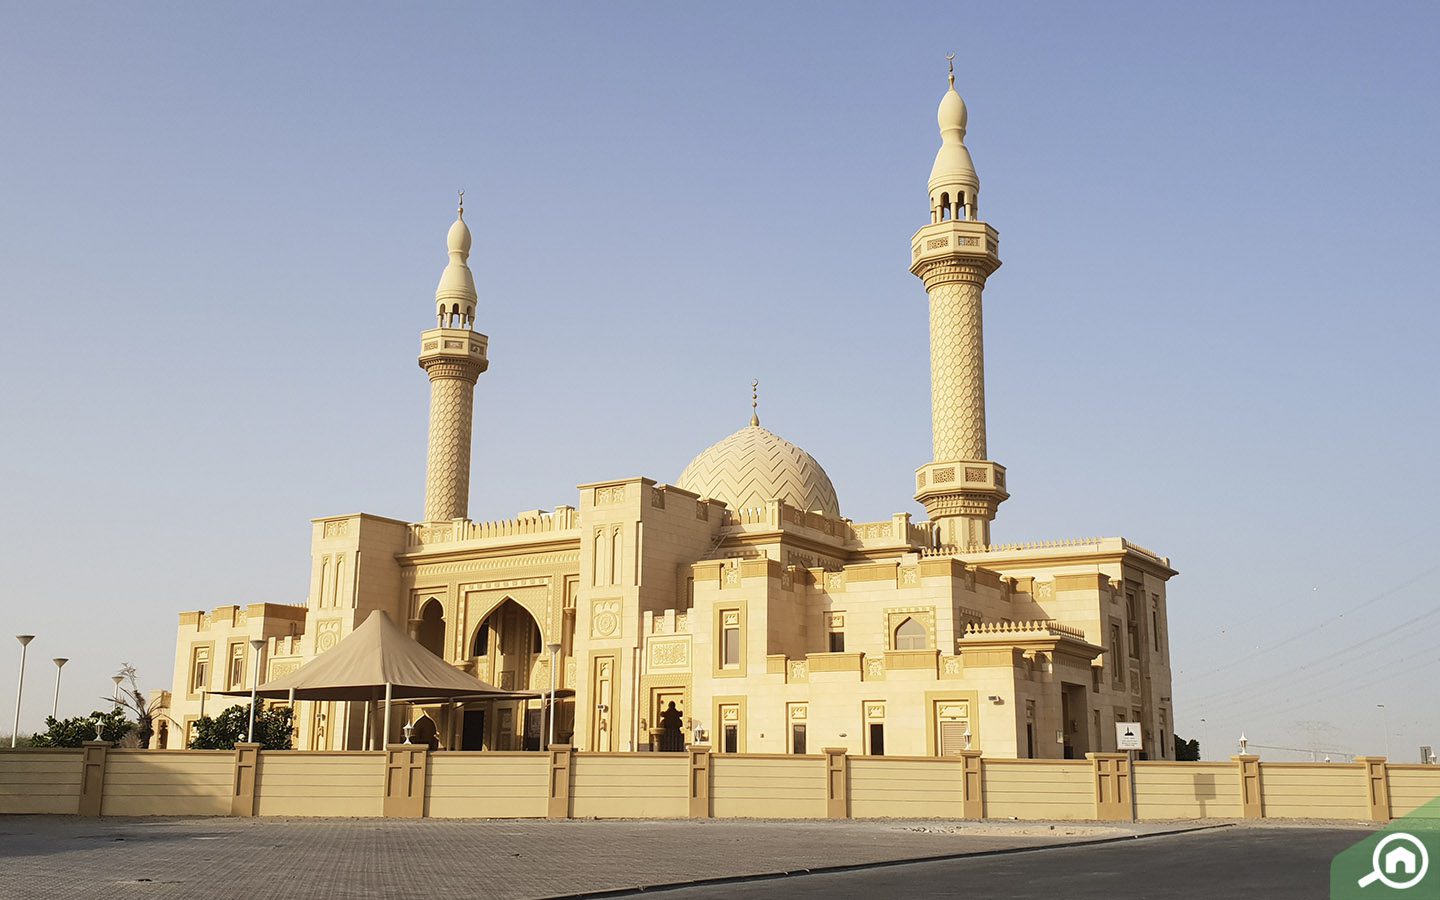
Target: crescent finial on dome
755,403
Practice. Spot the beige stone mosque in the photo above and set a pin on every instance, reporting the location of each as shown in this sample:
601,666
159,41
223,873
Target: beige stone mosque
740,593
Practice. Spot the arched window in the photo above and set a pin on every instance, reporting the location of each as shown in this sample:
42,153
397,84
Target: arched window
481,647
431,633
911,635
944,207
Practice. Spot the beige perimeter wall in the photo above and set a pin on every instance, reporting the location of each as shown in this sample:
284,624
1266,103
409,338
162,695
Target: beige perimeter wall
105,781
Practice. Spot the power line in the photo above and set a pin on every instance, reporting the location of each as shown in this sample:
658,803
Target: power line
1349,648
1297,636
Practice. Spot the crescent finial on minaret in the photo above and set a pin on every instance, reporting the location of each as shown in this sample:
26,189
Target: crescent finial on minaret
950,57
461,211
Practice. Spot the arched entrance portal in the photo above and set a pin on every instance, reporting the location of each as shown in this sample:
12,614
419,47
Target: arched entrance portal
509,652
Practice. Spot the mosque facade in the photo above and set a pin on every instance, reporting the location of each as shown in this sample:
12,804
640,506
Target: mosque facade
740,593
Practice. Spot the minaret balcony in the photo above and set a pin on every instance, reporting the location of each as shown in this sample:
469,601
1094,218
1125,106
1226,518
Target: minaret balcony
955,238
454,345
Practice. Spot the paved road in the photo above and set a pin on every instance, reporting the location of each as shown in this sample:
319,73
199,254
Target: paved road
216,859
1274,863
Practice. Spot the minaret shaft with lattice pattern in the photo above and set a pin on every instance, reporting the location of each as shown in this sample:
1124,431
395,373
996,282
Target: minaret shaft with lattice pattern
953,256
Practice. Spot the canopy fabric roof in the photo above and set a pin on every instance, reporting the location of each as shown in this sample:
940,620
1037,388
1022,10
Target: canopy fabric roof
373,656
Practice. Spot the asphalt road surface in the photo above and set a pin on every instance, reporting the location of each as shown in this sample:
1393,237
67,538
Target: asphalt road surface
1231,863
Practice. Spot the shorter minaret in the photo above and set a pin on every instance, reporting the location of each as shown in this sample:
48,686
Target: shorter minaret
453,355
953,256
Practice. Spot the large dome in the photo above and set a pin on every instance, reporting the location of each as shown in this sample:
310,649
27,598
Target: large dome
754,465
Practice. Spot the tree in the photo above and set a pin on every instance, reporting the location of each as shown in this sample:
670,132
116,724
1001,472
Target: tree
75,732
223,732
1186,751
146,711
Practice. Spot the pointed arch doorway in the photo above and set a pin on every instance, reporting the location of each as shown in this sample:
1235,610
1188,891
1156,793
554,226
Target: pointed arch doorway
508,651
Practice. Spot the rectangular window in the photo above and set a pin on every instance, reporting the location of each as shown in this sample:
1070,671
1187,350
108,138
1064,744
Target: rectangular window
797,739
877,738
837,642
1155,625
730,647
1117,674
237,666
732,739
1095,678
200,670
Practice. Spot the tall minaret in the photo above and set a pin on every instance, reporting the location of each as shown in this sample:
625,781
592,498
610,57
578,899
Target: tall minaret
954,255
453,355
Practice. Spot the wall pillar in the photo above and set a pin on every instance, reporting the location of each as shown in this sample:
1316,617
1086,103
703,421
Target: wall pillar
1114,788
562,757
405,766
972,785
837,783
247,766
92,777
1377,784
699,781
1252,805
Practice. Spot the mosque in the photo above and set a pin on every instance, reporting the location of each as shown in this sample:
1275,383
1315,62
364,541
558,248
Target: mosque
740,593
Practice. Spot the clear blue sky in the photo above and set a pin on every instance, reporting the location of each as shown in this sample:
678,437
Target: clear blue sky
1214,332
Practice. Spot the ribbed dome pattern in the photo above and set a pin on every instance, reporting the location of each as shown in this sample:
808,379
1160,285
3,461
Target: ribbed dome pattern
754,465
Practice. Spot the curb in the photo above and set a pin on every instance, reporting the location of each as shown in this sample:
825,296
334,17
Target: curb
883,864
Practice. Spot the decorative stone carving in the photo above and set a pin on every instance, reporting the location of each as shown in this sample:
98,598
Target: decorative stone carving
945,476
874,710
799,670
327,634
875,668
337,528
730,617
604,618
607,496
834,581
671,654
657,498
909,575
952,665
975,473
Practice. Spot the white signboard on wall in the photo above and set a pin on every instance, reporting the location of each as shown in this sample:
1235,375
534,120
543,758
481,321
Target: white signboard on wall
1127,736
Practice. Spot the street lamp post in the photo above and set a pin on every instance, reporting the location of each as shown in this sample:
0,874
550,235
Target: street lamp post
256,645
554,651
1202,740
117,679
1385,725
59,662
24,640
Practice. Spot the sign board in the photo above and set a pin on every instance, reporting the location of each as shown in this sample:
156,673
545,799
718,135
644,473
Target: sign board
1127,736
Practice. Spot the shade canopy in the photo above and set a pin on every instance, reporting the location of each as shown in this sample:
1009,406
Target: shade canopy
370,658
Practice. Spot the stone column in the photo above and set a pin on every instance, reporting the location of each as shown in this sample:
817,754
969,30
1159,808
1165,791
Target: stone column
454,359
959,488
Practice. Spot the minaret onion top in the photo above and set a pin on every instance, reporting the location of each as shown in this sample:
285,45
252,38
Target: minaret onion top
954,186
455,297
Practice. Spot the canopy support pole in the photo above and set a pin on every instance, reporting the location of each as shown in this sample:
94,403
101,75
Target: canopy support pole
365,729
387,715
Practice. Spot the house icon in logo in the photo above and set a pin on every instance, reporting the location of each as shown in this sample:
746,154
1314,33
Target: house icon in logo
1400,860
